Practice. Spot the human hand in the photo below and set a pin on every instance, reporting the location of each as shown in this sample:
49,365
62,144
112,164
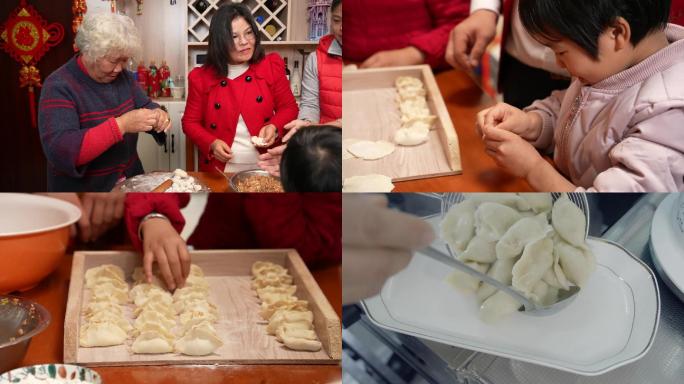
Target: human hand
99,213
163,120
509,118
511,152
221,151
137,120
395,58
163,245
293,126
270,161
377,242
268,133
469,39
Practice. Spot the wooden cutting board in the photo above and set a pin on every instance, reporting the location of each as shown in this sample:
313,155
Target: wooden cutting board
371,113
240,327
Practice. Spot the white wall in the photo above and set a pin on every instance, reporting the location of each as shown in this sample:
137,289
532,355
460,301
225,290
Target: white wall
161,27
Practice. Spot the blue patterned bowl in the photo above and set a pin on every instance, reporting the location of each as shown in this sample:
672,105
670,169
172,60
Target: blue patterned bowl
51,373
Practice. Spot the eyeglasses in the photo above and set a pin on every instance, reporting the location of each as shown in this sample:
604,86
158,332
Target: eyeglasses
248,36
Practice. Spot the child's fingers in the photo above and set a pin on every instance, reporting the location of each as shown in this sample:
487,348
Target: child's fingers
148,259
164,268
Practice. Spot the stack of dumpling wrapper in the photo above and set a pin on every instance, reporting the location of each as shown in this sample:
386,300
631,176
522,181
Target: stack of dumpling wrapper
288,317
104,321
415,115
156,313
526,241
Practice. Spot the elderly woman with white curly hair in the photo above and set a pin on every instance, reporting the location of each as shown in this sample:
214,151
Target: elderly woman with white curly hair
91,110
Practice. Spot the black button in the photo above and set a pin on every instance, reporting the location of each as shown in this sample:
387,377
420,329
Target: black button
224,83
248,79
213,125
259,99
206,161
267,119
217,106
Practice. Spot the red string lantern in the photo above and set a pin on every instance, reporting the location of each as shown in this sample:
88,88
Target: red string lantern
26,37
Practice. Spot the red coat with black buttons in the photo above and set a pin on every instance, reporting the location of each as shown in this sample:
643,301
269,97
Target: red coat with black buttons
261,95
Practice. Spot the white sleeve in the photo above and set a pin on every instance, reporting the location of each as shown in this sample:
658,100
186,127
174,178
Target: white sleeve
492,5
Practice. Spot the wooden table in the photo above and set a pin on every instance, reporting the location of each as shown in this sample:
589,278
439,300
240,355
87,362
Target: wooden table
213,180
47,347
464,99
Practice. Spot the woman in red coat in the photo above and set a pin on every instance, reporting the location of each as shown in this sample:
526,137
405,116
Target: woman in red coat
311,223
386,33
240,93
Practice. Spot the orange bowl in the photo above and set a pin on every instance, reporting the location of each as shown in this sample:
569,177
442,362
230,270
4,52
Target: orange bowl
34,234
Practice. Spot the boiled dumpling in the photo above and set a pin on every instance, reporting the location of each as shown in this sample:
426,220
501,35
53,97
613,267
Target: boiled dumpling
497,306
569,221
520,234
507,199
502,271
492,220
543,294
535,260
480,249
555,276
465,282
577,263
538,202
458,226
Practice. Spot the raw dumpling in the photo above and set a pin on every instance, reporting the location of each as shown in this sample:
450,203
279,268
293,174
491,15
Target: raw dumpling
282,317
371,150
101,334
261,268
289,289
577,263
301,344
497,306
147,317
535,260
465,282
492,220
569,221
290,331
152,342
368,183
458,226
413,135
538,202
502,271
520,234
267,310
480,249
200,340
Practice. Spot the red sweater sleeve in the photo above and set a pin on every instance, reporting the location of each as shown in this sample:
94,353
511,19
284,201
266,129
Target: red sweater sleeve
311,223
193,117
445,15
97,140
138,205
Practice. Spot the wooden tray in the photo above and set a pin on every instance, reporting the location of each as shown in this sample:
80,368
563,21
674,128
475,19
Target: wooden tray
239,326
371,113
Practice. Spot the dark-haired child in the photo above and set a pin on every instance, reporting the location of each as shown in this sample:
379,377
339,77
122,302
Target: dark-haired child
620,124
312,161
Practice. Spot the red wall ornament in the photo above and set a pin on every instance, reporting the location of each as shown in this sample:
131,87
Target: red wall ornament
26,37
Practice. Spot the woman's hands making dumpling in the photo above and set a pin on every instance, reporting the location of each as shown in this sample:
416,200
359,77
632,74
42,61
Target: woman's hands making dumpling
377,242
268,133
163,245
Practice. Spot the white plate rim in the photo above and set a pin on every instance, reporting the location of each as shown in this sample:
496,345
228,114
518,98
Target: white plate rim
663,246
370,304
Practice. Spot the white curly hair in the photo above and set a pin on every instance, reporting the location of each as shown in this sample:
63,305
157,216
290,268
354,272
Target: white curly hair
106,33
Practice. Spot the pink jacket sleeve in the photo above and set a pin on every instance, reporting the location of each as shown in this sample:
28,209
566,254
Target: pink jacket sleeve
650,159
549,110
445,15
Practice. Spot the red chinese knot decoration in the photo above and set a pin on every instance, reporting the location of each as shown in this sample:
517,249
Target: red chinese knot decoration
26,37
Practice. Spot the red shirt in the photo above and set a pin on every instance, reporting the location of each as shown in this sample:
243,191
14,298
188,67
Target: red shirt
261,95
379,25
308,222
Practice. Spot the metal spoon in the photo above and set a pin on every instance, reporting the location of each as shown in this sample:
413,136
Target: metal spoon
527,306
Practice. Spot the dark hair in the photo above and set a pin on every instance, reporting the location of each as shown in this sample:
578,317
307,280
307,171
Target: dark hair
583,21
335,4
312,160
221,36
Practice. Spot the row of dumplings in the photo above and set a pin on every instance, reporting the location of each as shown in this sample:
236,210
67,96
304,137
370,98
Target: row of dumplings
289,318
104,322
526,241
156,312
415,113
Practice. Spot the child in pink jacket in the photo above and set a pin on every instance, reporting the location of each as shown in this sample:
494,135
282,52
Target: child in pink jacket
619,127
